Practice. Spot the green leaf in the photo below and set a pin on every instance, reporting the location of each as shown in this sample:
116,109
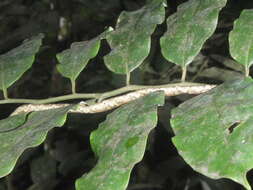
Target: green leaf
241,40
214,131
14,63
30,133
188,29
130,42
74,60
120,142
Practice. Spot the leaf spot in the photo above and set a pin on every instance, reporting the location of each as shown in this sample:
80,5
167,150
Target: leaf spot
132,141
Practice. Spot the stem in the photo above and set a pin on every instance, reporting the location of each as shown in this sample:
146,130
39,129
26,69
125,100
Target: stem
120,91
127,79
246,71
50,100
184,70
95,95
73,85
5,93
92,106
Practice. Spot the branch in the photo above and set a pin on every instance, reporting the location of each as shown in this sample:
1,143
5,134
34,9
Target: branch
114,102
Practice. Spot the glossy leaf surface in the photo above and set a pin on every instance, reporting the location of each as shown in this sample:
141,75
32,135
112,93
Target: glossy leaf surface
213,131
188,29
14,63
130,41
31,132
120,142
241,39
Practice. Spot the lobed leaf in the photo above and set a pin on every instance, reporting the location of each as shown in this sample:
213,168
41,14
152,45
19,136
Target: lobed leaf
31,132
188,29
214,131
130,41
120,142
241,39
14,63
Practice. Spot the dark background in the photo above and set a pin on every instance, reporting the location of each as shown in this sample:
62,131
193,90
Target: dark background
66,153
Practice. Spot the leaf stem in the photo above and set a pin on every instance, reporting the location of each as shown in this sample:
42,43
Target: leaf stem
99,96
5,93
73,86
128,75
246,70
184,71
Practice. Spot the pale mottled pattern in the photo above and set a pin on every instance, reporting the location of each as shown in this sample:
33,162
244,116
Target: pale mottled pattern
74,60
241,39
30,131
204,136
120,143
14,63
188,29
131,39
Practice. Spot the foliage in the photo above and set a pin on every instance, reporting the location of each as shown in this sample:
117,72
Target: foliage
220,144
129,49
240,40
188,29
120,142
212,130
74,60
31,132
15,62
